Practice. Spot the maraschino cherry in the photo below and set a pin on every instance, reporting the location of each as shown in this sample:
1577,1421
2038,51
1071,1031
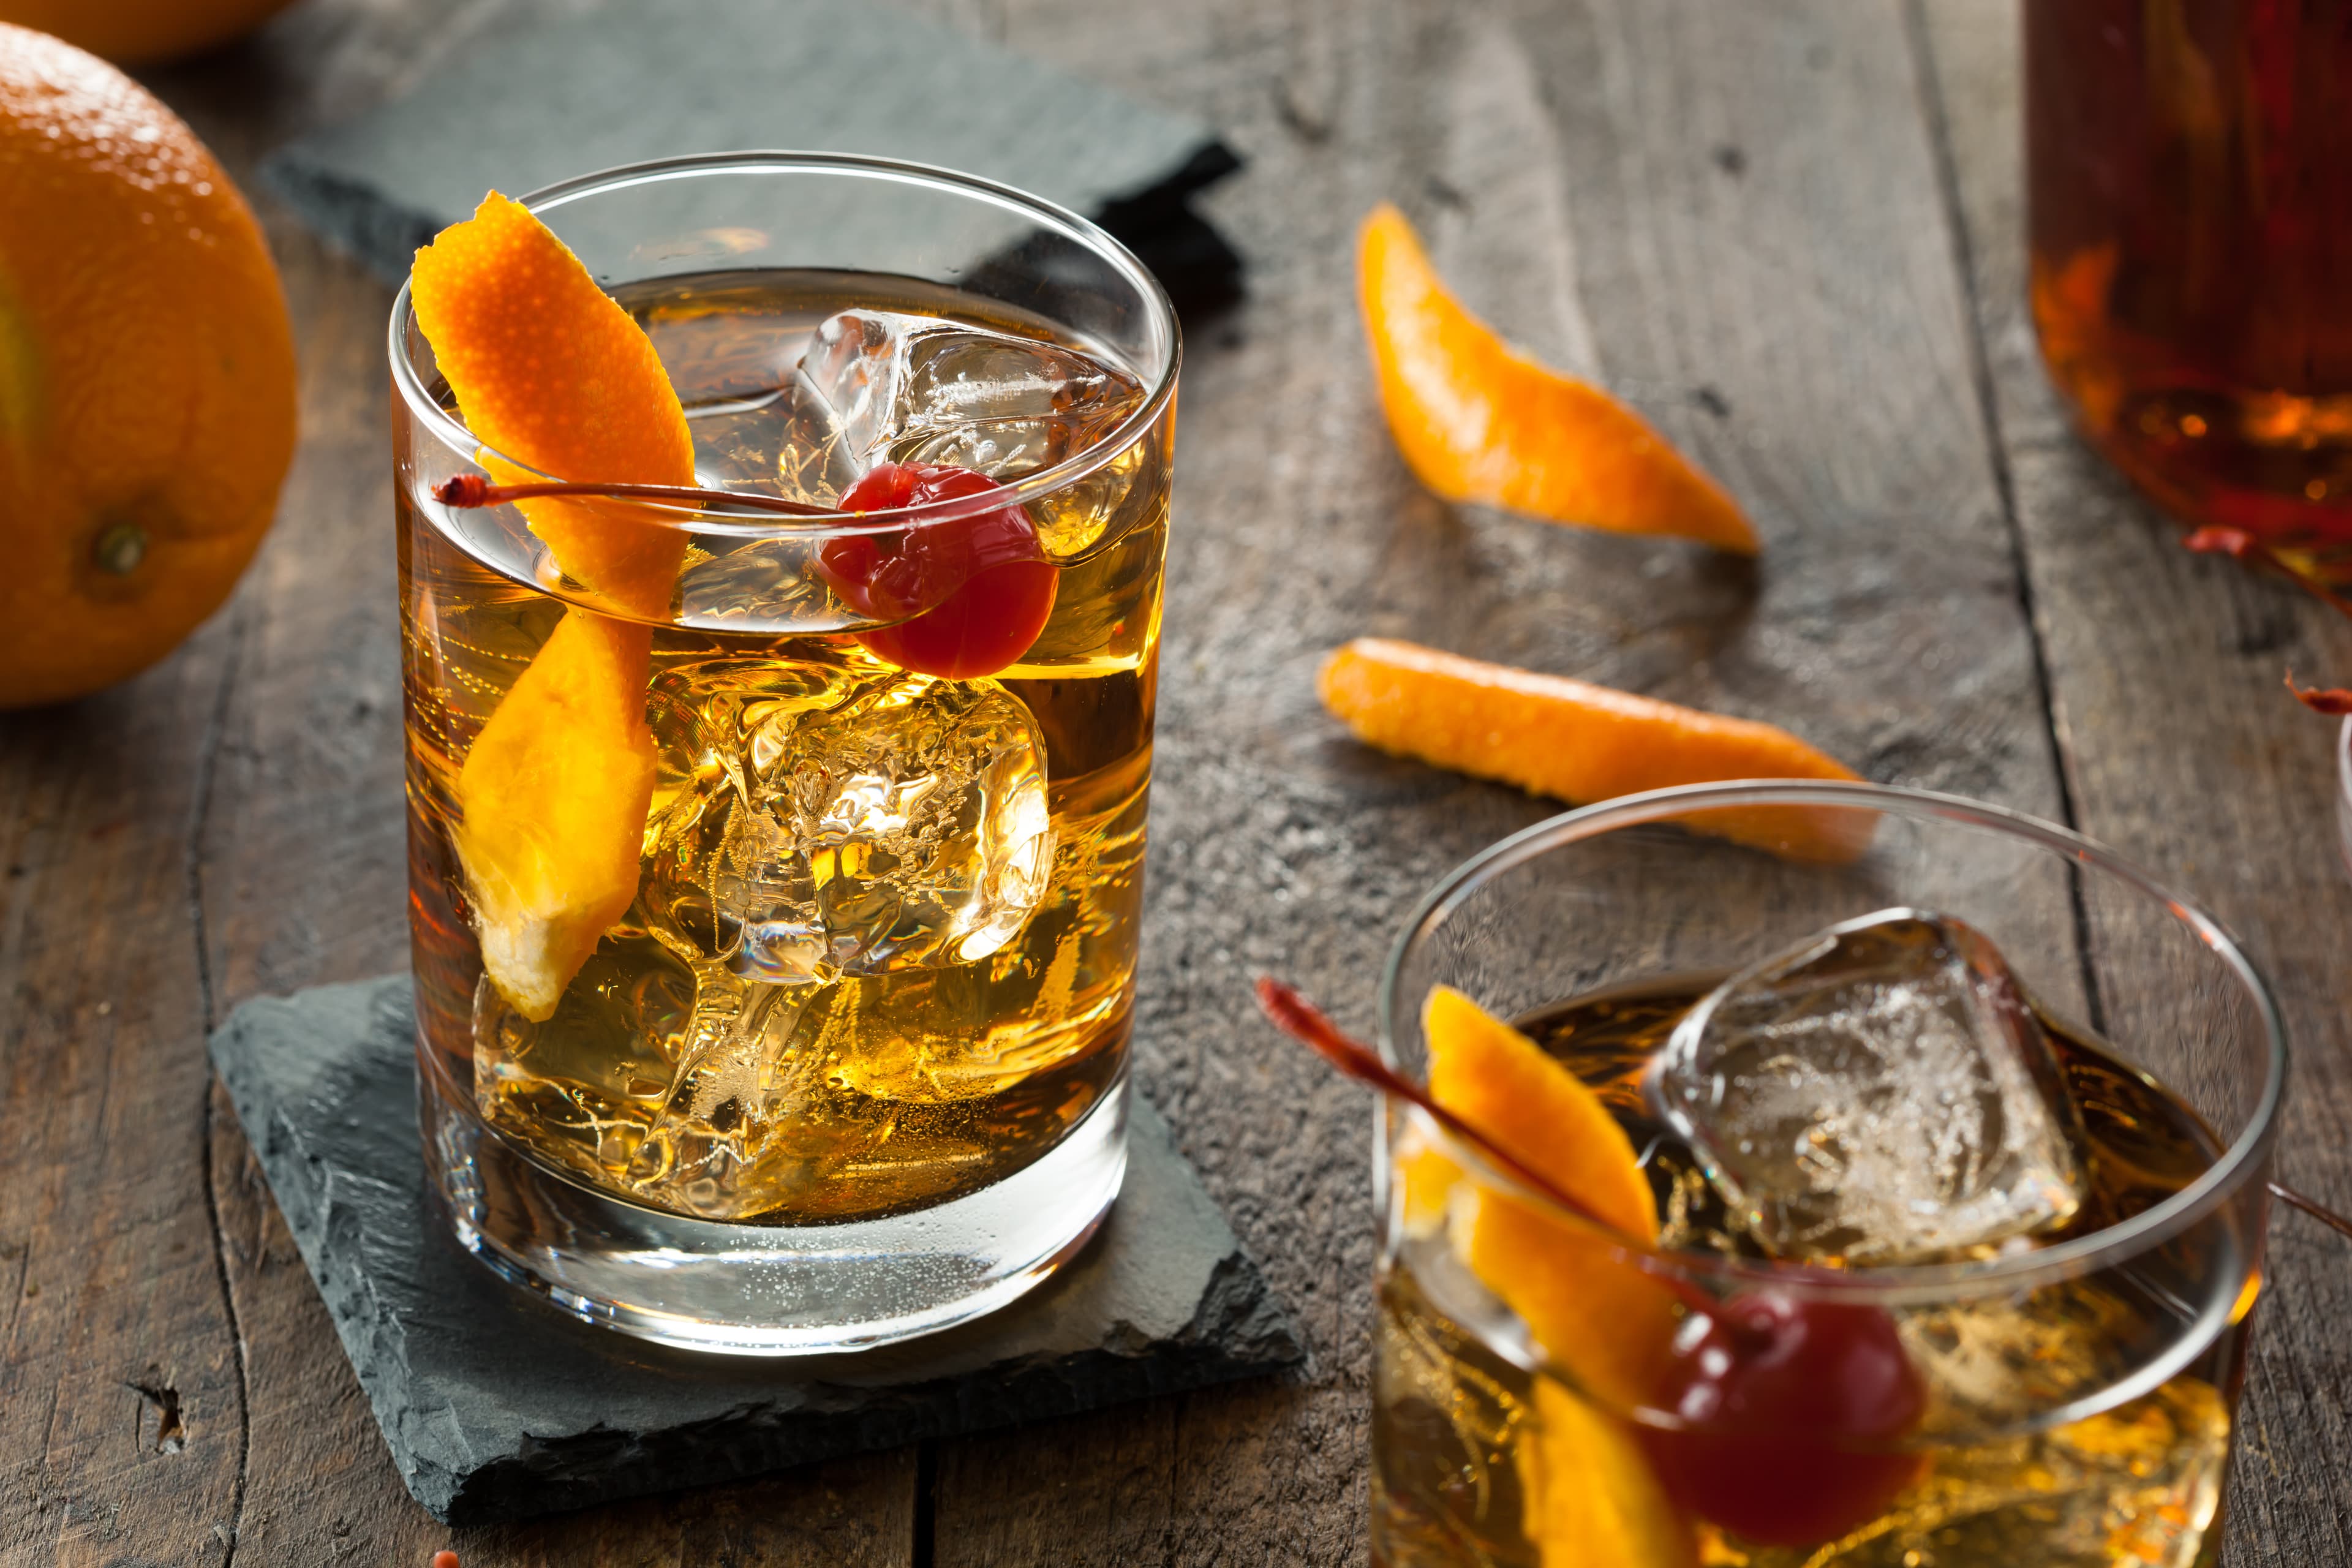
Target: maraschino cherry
968,594
1794,1407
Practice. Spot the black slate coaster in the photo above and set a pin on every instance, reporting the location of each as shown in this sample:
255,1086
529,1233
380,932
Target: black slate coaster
635,79
497,1405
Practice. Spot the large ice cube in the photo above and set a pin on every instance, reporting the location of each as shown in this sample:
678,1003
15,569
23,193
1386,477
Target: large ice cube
817,816
921,389
1878,1094
845,816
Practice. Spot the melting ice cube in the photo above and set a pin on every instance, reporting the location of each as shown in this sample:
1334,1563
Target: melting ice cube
921,389
855,819
1880,1093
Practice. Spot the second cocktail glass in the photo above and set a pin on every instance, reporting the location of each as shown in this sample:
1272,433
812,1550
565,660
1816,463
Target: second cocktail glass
851,1065
2064,1393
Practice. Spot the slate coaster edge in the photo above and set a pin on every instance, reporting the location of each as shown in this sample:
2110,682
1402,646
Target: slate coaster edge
1239,1329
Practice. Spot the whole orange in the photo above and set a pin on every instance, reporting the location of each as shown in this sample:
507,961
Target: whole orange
140,31
146,376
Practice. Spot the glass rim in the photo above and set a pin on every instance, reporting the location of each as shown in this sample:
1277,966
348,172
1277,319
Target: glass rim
2239,1161
2344,792
454,434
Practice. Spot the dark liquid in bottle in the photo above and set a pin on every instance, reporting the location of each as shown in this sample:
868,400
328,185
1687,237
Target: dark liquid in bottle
2189,169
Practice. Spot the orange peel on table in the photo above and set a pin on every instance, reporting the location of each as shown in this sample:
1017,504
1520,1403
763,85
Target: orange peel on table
1580,742
550,373
1592,1499
1480,421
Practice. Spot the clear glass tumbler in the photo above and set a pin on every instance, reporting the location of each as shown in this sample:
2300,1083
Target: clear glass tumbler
2075,1399
851,1066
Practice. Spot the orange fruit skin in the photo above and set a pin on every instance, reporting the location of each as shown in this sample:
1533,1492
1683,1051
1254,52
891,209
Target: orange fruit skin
1606,1321
1593,1500
1479,421
140,32
553,793
551,856
1578,743
147,376
552,372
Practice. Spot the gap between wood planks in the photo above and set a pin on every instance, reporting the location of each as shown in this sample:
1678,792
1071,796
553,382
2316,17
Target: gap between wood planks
926,1480
1928,87
199,811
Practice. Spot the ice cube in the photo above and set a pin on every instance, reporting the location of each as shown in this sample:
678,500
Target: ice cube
814,816
1881,1093
736,1077
844,816
921,389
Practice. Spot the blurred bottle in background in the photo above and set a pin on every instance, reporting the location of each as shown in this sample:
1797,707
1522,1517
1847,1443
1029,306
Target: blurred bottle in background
2190,180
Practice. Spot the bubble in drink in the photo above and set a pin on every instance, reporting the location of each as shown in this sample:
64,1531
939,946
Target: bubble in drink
1880,1093
921,389
845,817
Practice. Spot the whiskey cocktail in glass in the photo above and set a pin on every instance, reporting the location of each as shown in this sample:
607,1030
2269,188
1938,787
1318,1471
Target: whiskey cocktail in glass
846,1062
1947,1227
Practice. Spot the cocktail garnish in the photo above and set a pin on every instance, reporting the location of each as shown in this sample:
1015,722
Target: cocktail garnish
550,373
465,492
1770,1409
1299,1018
967,593
1795,1410
1580,742
1479,421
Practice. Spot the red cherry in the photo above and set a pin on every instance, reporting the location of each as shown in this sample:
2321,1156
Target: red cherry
1790,1405
969,593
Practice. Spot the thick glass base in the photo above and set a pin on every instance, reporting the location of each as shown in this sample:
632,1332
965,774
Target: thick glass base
764,1290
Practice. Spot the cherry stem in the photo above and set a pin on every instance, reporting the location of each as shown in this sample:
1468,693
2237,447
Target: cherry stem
1295,1016
467,491
2318,1211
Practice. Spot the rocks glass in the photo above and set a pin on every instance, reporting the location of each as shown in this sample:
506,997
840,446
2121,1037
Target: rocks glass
851,1066
2071,1395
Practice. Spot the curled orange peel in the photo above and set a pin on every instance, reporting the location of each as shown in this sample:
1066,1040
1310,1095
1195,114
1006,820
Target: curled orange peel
1479,421
551,372
1580,742
1592,1499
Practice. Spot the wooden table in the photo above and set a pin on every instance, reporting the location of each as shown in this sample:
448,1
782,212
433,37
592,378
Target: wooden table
1787,229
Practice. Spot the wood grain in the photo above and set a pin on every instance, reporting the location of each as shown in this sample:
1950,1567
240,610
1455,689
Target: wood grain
2182,749
1787,230
121,1428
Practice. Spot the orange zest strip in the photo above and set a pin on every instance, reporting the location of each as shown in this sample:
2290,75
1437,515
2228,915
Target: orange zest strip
1479,421
467,491
550,372
1579,742
552,795
1295,1016
1594,1500
1607,1321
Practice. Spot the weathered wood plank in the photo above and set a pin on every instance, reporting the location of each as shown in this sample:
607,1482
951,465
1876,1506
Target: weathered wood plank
1730,214
2181,749
121,1422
